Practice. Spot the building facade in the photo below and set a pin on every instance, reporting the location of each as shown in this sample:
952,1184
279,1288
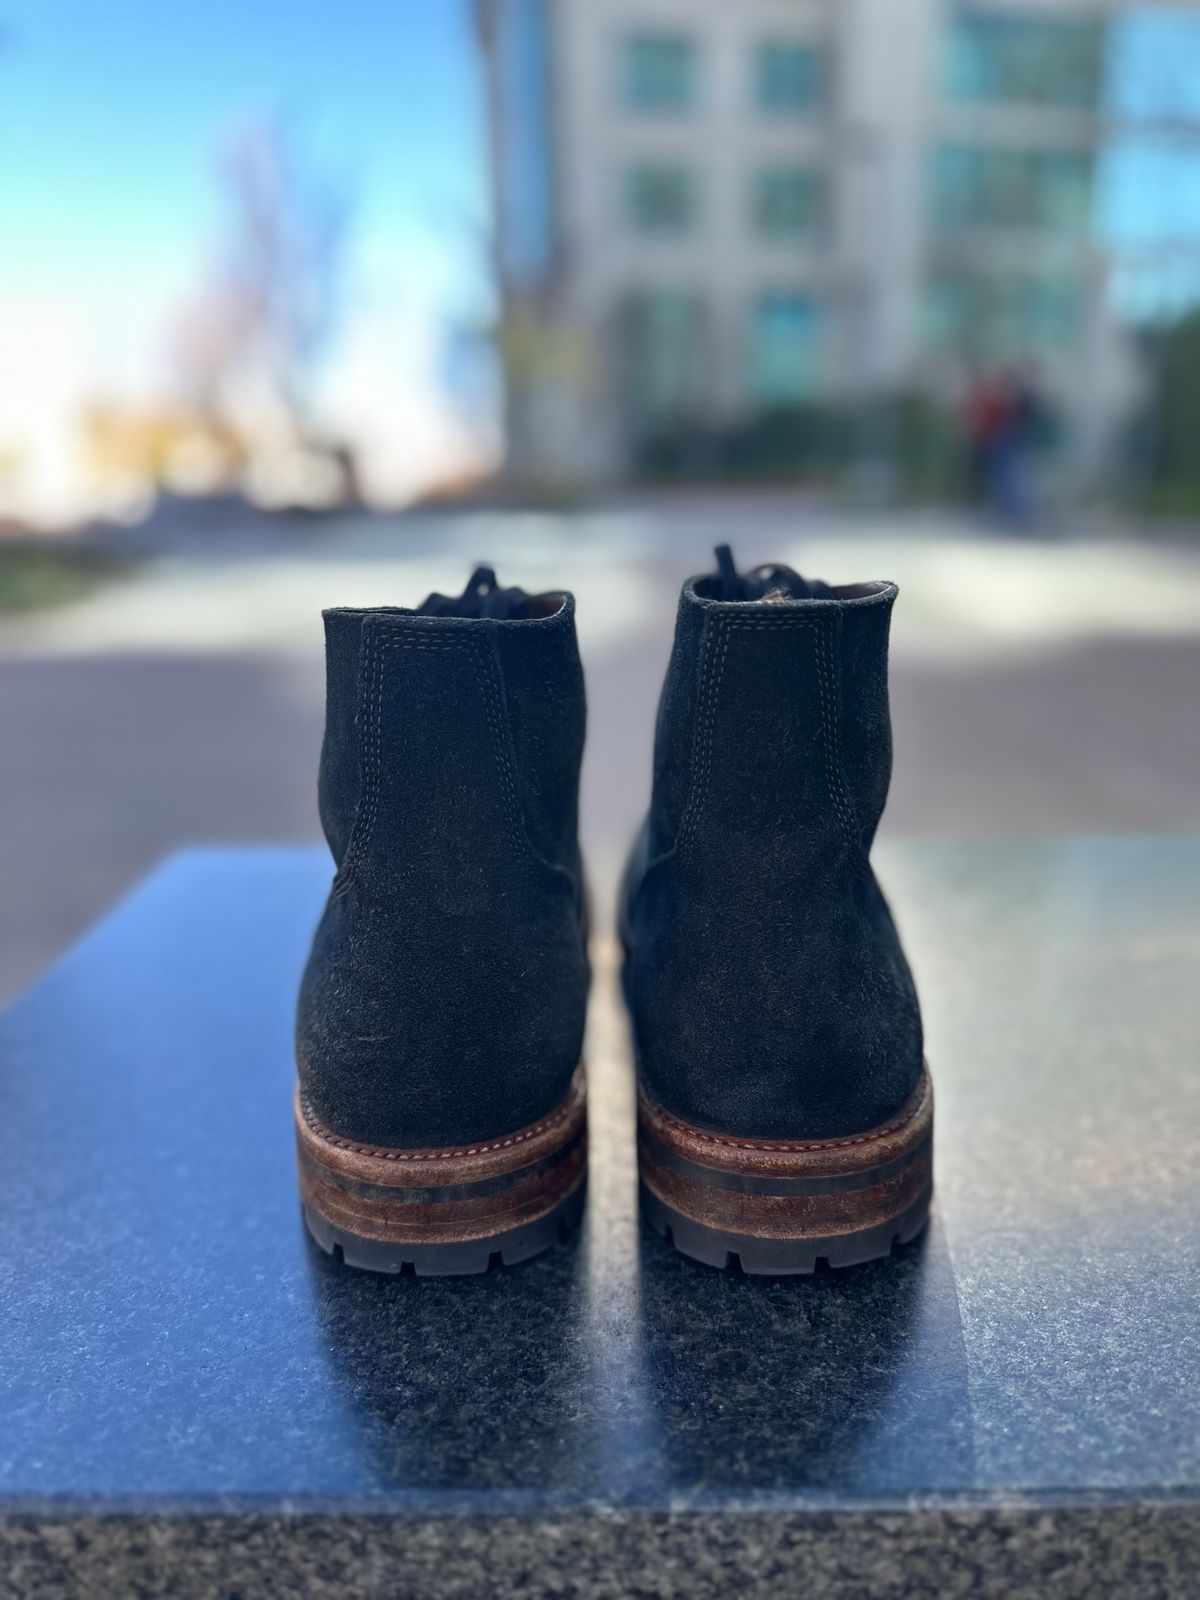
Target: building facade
709,212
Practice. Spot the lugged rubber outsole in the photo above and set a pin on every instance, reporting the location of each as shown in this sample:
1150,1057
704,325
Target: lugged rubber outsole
444,1210
780,1207
780,1258
449,1260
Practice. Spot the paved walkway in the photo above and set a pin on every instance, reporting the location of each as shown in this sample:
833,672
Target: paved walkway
1037,688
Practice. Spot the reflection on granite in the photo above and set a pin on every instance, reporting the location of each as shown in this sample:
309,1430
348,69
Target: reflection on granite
196,1401
856,1383
476,1385
1059,982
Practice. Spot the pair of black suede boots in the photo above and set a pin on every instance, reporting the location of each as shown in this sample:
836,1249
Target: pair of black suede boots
784,1111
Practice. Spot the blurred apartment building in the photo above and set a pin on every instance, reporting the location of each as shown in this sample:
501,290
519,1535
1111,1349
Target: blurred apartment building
705,212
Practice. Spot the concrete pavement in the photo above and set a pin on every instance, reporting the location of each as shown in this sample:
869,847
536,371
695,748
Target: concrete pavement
1037,687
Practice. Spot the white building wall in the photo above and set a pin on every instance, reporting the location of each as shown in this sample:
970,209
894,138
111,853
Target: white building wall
885,115
886,79
722,140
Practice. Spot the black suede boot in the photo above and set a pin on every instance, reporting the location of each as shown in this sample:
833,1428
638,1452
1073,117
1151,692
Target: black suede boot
785,1115
440,1107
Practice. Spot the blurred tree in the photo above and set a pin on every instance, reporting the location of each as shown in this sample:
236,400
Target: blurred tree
1164,440
249,346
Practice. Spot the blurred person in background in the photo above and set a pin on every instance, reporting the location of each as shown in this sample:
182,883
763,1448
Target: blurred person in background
1007,425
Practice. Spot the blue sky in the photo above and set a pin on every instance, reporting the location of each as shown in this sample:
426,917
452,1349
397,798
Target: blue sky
1148,197
111,114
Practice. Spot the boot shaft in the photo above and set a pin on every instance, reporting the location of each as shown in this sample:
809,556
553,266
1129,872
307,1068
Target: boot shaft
445,729
774,728
444,999
769,993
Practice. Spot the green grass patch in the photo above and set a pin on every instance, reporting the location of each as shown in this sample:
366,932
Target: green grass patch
33,576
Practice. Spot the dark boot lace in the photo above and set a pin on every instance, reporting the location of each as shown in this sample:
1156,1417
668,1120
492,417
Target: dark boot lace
771,582
482,597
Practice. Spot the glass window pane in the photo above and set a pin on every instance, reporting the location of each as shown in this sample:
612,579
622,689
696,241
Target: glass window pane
998,188
660,198
658,72
785,349
998,314
663,354
1025,60
789,77
788,203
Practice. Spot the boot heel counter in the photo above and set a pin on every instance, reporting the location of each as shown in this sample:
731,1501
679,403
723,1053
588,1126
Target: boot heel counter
447,981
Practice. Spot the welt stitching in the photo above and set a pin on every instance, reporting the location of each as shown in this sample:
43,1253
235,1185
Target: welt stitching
386,1153
768,1145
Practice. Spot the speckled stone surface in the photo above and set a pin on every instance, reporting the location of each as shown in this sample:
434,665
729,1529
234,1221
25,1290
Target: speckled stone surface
194,1401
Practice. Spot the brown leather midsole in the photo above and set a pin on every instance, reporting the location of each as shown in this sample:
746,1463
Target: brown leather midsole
442,1196
789,1190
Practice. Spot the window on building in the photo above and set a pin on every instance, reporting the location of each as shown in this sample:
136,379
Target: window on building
660,198
1000,188
1001,314
1034,60
785,349
788,203
789,77
663,348
658,72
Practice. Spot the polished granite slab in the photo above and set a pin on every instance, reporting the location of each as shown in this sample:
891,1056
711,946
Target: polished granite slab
195,1401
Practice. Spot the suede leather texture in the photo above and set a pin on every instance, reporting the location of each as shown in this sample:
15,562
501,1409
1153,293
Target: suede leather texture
443,1002
769,993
